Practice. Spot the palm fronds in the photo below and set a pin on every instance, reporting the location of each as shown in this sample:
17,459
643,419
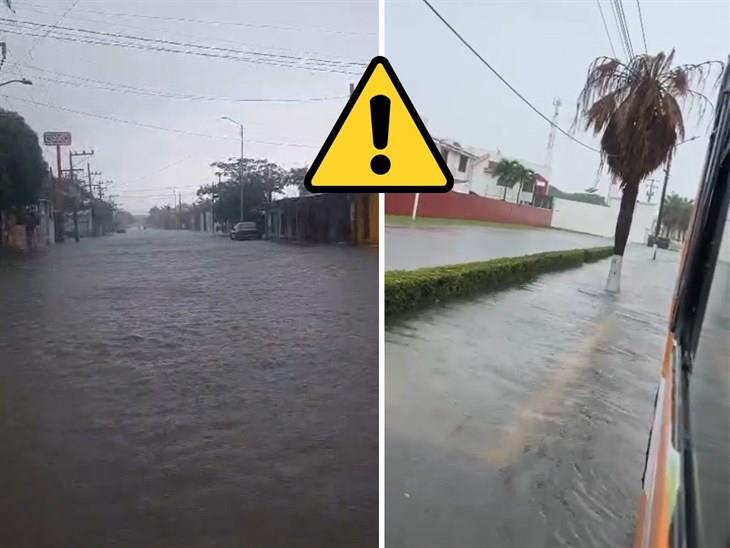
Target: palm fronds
636,107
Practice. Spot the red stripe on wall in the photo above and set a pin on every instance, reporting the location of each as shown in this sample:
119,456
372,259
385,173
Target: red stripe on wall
455,205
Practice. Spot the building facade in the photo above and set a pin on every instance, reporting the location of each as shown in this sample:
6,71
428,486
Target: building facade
473,171
324,218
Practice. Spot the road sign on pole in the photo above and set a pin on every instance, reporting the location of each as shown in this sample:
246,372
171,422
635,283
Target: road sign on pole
57,138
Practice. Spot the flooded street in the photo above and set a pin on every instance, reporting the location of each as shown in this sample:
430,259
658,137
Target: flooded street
411,247
176,389
521,418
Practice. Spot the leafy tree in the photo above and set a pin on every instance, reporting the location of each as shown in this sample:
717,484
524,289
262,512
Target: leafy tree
510,173
22,168
261,180
295,178
507,174
635,106
677,212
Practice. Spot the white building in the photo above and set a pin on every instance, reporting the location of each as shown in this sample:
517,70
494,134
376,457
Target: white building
473,170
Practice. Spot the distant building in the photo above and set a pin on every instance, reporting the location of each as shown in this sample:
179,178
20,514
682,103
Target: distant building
473,171
324,218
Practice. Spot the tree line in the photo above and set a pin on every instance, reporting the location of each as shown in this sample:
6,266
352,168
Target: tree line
262,182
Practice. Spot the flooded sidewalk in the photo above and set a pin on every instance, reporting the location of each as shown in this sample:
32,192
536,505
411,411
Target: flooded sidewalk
521,418
421,245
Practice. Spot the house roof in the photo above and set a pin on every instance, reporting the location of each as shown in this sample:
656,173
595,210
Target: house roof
456,146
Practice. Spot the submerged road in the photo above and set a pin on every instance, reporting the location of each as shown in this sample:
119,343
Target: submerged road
522,418
410,247
173,389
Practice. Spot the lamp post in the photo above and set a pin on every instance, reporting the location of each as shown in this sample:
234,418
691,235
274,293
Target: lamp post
22,81
658,226
240,166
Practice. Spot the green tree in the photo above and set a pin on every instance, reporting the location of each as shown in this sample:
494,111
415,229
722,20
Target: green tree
507,173
261,181
526,178
510,173
22,168
295,178
636,107
676,215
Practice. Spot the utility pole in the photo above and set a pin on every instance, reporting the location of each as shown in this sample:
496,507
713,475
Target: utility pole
650,190
179,210
240,163
551,138
240,173
661,205
667,167
76,189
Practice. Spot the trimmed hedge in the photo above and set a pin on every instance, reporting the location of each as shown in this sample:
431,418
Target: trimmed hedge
409,289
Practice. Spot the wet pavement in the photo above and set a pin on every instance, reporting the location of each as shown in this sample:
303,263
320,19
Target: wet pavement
521,419
172,389
410,247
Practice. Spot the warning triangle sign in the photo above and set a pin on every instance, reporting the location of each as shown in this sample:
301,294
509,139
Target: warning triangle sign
379,143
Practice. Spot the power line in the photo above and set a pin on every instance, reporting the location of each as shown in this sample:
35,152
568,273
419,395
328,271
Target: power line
168,50
621,35
641,22
504,81
605,27
36,42
149,126
219,40
213,22
91,83
152,44
624,27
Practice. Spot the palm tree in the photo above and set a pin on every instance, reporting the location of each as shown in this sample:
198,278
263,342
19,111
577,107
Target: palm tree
508,174
527,181
677,213
635,105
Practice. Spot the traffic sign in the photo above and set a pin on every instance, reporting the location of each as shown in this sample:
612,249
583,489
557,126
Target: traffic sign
57,138
379,143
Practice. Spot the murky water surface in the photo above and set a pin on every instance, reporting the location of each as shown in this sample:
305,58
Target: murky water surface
171,389
521,419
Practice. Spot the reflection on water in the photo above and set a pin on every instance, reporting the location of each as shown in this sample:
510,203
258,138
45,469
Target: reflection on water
521,418
177,389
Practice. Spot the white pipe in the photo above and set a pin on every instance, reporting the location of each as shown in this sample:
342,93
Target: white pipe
415,206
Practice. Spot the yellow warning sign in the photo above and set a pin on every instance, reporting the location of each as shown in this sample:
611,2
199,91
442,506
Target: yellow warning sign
379,143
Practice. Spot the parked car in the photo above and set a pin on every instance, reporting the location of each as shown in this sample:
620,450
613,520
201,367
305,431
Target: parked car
661,242
246,230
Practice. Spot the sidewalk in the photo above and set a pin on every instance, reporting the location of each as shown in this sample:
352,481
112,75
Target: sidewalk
410,247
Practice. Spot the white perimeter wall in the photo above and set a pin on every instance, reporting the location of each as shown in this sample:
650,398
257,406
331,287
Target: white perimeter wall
601,220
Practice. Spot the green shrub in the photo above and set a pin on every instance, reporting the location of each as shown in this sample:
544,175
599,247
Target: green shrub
410,289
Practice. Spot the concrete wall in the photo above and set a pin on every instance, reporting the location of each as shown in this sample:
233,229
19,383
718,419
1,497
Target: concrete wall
454,205
601,220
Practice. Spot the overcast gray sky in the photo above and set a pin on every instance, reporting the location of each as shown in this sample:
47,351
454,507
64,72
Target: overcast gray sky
543,48
146,163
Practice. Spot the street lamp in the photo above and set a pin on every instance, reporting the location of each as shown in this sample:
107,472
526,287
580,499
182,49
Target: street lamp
240,170
664,192
23,81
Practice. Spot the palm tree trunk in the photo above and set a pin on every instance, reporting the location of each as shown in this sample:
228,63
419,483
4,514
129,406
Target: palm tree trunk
504,197
625,215
519,193
623,227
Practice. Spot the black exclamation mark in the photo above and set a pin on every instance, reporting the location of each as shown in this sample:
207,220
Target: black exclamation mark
380,119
